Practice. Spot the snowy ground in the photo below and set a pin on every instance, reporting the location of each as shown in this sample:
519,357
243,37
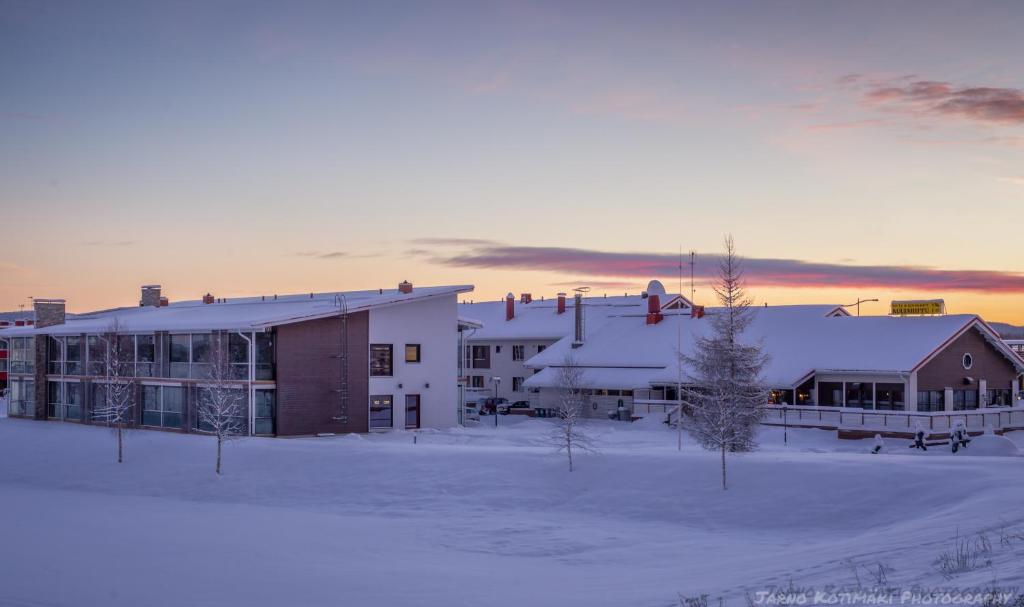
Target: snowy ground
481,517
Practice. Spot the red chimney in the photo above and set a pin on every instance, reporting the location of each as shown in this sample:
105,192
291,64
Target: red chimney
654,309
19,323
30,322
697,312
405,287
164,302
208,299
561,303
510,306
526,298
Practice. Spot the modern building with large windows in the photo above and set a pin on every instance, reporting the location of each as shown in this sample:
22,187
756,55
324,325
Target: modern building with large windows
305,364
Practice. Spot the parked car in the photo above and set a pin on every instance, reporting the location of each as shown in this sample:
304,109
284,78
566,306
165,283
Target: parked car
490,405
521,407
471,412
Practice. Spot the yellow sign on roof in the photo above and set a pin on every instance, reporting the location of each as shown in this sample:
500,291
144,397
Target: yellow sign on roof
920,307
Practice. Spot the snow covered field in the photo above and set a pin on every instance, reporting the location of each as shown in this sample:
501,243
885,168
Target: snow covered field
481,517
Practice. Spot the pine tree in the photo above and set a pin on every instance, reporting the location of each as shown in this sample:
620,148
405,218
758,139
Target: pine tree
726,399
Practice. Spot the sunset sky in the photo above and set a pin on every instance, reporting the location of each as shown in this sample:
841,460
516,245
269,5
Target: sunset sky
853,149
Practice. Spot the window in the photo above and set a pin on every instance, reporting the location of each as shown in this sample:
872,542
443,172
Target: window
412,411
497,349
412,353
55,354
202,355
162,406
860,395
380,411
518,352
265,405
145,355
968,361
23,355
964,400
780,397
541,348
481,357
235,396
180,347
517,384
238,356
22,398
999,398
96,348
889,397
381,360
264,356
477,381
64,400
73,348
830,394
931,400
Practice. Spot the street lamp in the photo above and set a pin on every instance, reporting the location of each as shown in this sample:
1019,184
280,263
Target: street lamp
497,382
857,303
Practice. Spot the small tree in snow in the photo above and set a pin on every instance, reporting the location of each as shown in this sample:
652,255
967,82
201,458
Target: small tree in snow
116,407
569,433
727,399
221,407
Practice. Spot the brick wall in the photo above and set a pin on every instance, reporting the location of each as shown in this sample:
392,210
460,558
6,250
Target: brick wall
309,373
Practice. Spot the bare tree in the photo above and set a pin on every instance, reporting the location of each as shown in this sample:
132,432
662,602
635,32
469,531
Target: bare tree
116,407
221,404
568,433
727,398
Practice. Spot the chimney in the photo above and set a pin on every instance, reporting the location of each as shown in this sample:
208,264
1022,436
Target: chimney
654,309
578,338
164,302
19,323
561,303
208,299
405,287
697,312
150,296
49,312
510,306
526,298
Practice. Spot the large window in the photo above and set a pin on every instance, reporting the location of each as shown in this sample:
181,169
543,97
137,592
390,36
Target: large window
96,349
964,400
412,411
145,355
830,394
517,384
162,406
237,396
180,347
264,356
481,357
22,398
889,397
518,352
381,411
265,405
412,353
860,395
999,398
476,381
381,360
74,353
55,356
23,355
238,356
202,355
64,400
931,400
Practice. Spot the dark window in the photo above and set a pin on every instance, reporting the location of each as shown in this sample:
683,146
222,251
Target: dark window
265,405
264,356
964,400
518,352
477,381
179,355
238,356
74,352
830,394
541,348
380,411
860,395
381,356
412,353
517,384
202,355
55,351
146,355
999,397
97,350
497,349
236,398
412,410
481,357
64,400
780,397
162,406
931,400
889,397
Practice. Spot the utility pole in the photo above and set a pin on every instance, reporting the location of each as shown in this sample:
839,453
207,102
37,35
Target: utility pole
679,351
857,303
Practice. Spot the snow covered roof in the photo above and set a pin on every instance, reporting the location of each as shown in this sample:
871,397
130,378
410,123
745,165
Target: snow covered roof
540,320
798,339
243,313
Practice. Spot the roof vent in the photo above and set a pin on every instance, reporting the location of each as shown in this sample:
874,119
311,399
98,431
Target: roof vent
654,309
510,306
405,287
526,298
208,299
150,296
561,303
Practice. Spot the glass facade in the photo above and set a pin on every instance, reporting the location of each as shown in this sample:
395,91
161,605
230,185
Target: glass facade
889,397
931,400
22,355
179,354
64,400
22,397
999,398
266,403
412,411
965,400
830,394
381,411
235,404
162,406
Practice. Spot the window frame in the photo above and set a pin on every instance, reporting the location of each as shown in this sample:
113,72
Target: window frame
378,370
418,350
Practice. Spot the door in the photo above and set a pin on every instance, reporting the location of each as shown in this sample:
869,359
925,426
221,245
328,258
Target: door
412,411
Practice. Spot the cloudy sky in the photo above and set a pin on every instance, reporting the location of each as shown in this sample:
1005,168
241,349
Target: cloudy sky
853,149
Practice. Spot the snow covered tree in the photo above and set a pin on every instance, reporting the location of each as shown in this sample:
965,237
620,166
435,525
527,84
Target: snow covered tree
221,407
726,400
568,433
115,402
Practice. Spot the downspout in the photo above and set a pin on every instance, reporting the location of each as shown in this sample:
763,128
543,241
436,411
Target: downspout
252,379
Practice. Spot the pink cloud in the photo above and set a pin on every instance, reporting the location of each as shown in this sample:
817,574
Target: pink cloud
936,98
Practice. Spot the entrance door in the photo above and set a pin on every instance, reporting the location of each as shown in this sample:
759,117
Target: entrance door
412,411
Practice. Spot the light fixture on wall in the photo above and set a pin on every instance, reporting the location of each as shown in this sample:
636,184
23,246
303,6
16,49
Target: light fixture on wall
399,386
426,385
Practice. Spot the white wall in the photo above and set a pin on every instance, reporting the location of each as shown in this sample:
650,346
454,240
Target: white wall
504,367
432,323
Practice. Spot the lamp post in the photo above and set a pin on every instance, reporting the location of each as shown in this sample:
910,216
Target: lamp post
857,303
497,382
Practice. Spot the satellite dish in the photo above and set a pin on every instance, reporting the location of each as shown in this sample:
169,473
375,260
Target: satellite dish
655,288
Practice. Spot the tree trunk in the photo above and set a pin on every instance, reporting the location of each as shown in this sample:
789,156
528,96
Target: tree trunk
220,441
724,487
120,445
569,450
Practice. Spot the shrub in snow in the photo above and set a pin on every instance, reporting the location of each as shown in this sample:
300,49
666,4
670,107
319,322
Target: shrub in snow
568,434
727,401
221,410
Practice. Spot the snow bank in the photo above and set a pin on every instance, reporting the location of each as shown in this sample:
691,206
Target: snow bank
991,445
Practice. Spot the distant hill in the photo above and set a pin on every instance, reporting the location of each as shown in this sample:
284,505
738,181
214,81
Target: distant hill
1008,331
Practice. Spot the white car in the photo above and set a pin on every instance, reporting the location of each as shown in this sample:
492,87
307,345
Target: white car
471,412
